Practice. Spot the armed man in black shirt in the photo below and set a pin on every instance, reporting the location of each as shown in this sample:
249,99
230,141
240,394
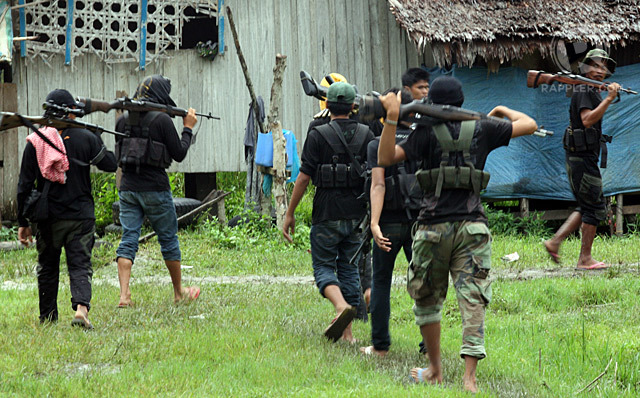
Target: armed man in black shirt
333,159
70,219
584,143
144,189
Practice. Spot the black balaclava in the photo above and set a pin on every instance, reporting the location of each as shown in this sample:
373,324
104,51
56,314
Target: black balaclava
155,88
446,90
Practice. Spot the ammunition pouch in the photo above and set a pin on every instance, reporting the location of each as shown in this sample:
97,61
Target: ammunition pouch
453,176
589,139
339,173
139,149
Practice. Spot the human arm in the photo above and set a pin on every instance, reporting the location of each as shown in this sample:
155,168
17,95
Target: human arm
521,124
592,116
28,174
388,152
176,146
376,194
299,189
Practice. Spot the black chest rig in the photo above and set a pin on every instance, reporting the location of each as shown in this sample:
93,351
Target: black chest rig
450,175
139,149
589,139
346,170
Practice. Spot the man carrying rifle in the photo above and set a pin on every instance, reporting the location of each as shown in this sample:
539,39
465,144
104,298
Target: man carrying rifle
395,201
333,159
583,142
144,189
451,235
65,208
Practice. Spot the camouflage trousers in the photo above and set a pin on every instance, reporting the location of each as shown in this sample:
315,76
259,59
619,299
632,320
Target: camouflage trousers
462,249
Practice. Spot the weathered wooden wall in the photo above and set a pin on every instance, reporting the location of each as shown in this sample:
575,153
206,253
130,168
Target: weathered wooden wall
359,39
9,155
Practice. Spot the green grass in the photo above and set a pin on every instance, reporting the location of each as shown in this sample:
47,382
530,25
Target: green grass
545,337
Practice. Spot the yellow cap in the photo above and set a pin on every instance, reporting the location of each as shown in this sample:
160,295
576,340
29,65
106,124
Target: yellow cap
336,77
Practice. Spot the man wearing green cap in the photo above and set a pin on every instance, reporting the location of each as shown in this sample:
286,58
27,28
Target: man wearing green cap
583,142
333,160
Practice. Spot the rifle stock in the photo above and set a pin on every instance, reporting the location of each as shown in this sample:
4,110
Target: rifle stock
10,120
537,77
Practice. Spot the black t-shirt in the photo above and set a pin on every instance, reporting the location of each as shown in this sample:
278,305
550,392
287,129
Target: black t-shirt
585,97
72,200
392,215
155,178
455,204
333,203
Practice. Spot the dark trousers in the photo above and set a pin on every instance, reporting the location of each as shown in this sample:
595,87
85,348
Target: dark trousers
383,263
77,238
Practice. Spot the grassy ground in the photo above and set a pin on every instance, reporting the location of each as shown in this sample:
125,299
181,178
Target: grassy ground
545,337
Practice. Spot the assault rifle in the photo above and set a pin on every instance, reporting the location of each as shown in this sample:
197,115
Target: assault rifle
420,112
537,77
128,104
10,120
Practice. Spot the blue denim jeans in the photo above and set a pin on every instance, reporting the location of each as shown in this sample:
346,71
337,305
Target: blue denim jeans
383,262
159,208
333,243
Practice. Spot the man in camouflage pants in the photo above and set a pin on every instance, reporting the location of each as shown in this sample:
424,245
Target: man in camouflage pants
451,235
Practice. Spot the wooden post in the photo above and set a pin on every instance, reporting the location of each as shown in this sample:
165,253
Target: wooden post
253,189
279,152
524,207
619,215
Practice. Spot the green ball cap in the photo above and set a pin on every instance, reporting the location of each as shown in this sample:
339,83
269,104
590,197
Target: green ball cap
342,93
598,53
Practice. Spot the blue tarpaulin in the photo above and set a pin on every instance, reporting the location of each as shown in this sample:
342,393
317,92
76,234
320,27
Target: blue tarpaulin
533,167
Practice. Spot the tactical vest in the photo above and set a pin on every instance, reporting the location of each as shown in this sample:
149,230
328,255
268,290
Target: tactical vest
346,169
449,175
139,149
589,139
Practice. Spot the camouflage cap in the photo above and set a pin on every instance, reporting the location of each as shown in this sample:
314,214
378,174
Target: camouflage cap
598,53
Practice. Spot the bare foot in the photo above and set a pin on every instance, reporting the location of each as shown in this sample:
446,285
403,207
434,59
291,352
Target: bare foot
370,350
81,318
125,304
188,294
552,249
470,384
426,375
592,265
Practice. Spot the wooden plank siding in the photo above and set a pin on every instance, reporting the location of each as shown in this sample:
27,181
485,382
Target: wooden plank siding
361,40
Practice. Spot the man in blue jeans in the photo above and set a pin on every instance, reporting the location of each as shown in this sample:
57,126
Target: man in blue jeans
144,189
395,203
333,159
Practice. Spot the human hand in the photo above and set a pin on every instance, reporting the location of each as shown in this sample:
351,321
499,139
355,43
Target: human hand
391,103
613,90
382,242
289,225
24,235
190,120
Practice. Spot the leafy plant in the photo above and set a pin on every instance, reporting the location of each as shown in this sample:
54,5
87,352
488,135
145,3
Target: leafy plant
8,234
505,223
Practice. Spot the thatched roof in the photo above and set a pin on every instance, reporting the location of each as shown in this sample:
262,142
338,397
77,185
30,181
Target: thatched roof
504,30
